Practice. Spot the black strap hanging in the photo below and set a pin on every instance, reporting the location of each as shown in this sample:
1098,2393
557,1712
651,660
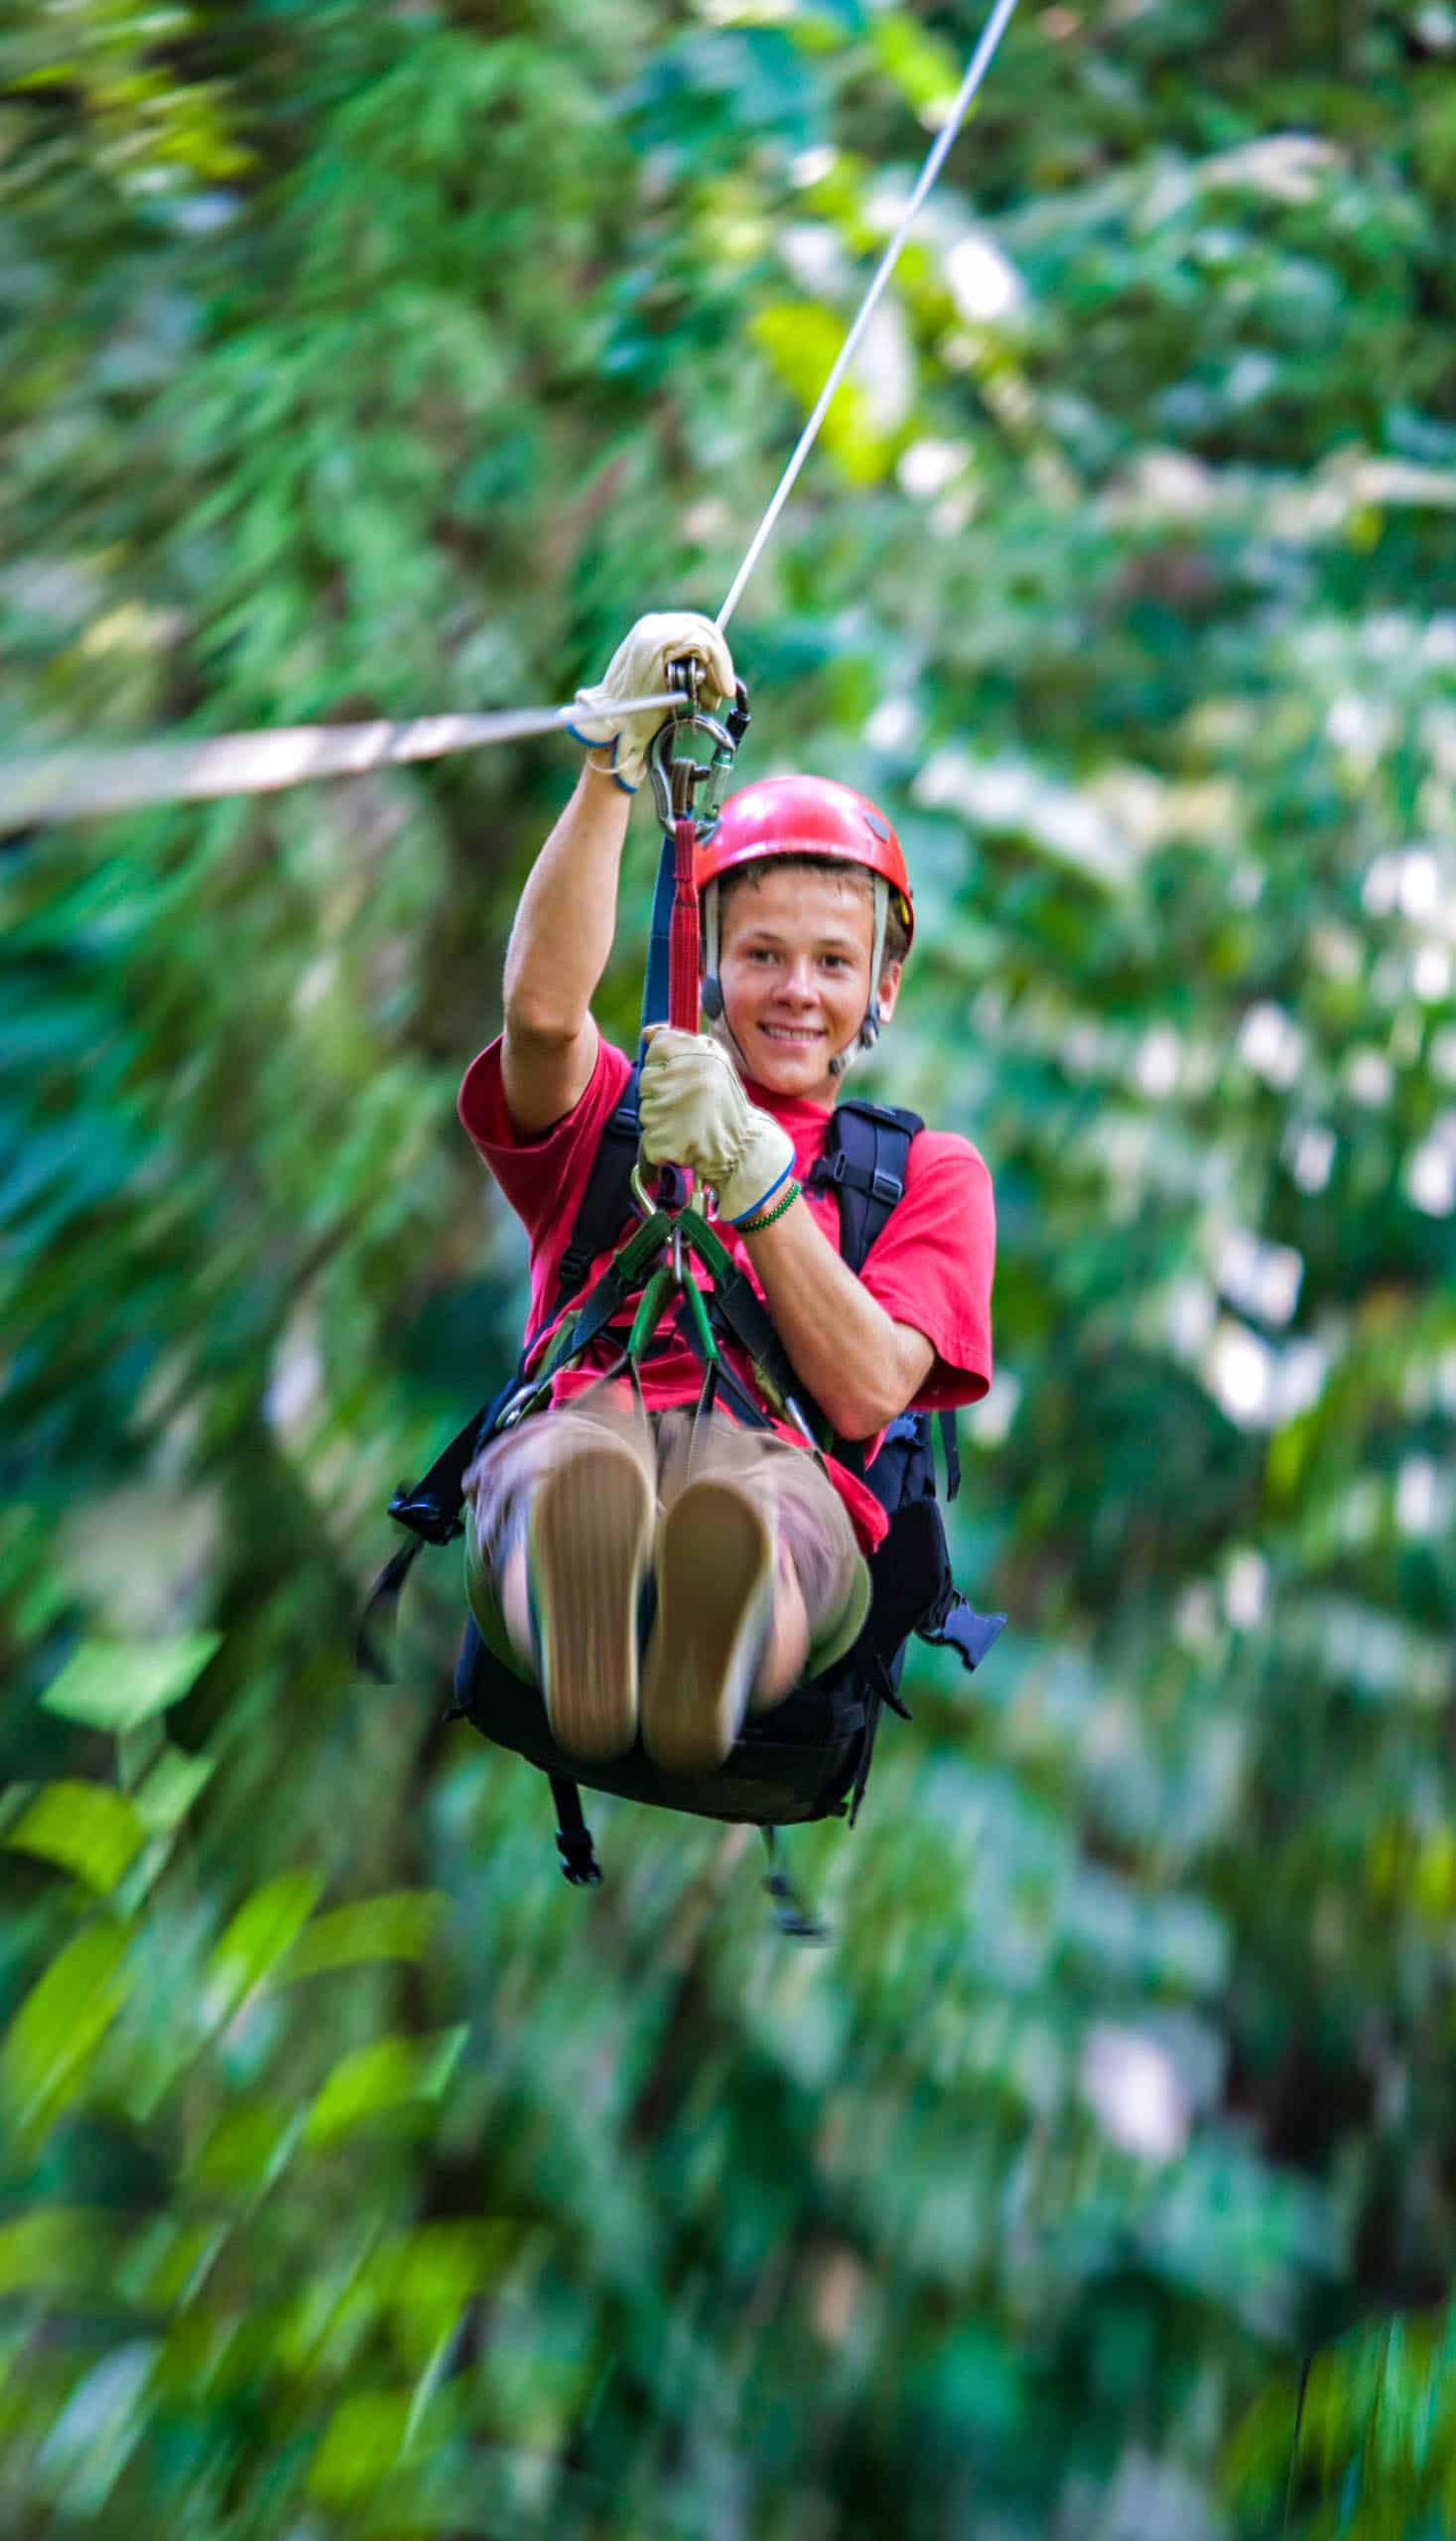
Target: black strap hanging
579,1862
790,1913
380,1607
952,1452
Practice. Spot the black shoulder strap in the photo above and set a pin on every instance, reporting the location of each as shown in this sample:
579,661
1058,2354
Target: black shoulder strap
863,1164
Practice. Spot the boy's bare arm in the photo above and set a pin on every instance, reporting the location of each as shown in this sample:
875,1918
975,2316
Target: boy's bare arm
558,950
861,1366
562,936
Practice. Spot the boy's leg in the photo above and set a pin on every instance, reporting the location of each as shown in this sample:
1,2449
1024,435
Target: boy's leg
818,1572
561,1520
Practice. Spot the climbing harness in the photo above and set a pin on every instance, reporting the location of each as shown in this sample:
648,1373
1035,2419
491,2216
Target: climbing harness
810,1757
67,784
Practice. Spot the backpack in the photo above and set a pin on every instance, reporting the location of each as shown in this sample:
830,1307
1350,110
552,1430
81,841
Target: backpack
809,1757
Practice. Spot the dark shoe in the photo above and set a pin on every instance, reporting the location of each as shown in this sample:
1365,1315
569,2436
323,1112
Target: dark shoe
589,1537
714,1606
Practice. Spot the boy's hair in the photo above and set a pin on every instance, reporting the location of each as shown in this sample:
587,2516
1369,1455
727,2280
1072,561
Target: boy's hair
896,942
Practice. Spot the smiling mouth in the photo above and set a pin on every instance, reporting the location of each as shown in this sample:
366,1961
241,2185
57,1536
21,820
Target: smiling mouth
792,1038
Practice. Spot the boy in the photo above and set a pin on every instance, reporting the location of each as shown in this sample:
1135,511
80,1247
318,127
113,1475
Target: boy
752,1542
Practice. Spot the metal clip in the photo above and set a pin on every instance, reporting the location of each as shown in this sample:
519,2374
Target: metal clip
665,766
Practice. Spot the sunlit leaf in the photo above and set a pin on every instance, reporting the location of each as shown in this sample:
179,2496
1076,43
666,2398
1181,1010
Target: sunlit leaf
112,1684
83,1828
56,2034
802,343
400,1925
170,1789
260,1933
381,2077
52,2247
361,2443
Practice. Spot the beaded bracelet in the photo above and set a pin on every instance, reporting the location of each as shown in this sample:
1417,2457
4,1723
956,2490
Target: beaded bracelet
756,1225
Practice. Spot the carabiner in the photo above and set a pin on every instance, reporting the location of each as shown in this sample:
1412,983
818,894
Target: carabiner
672,798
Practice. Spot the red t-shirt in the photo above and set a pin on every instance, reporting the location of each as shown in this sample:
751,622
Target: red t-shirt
930,1267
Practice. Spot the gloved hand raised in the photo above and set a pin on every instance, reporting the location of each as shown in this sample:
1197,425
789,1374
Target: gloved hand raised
693,1112
638,668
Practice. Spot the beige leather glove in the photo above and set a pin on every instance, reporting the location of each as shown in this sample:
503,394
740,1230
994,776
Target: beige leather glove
638,668
693,1112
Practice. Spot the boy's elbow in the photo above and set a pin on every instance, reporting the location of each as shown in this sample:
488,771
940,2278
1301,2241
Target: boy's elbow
863,1411
873,1403
534,1020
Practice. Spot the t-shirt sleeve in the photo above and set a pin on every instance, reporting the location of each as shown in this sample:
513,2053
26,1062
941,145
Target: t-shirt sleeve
540,1172
932,1265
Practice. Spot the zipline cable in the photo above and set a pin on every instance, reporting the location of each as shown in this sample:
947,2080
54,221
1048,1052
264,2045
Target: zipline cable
62,785
980,61
65,785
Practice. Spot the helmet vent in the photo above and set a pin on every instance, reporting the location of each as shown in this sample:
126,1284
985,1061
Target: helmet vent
873,822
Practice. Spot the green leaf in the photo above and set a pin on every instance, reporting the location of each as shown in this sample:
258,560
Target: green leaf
429,2275
57,2032
926,71
400,1925
117,1685
260,1933
83,1828
245,2148
52,2247
361,2443
374,2078
170,1787
802,341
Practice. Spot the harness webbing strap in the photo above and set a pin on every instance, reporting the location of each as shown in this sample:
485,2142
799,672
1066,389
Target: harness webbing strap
952,1452
866,1167
605,1200
659,945
578,1861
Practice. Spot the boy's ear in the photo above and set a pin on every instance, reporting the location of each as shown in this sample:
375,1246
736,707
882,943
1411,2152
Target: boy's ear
889,989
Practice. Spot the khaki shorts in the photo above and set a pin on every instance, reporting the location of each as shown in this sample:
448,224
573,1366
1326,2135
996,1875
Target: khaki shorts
813,1522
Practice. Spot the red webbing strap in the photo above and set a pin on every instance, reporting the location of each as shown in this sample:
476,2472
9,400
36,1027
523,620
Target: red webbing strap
682,992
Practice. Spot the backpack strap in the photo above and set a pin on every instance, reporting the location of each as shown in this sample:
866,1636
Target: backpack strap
431,1509
947,1422
863,1164
607,1203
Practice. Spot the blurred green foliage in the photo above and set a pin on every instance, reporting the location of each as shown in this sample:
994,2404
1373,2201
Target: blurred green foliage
359,2180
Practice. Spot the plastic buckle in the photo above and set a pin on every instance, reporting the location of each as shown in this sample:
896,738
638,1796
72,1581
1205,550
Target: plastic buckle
887,1187
424,1516
580,1865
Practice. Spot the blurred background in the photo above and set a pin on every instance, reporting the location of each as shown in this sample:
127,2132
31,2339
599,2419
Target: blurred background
361,2181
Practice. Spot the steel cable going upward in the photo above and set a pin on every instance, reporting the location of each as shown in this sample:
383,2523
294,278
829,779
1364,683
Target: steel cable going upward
65,785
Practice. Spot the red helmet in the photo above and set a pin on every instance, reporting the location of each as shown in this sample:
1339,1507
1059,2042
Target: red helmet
805,816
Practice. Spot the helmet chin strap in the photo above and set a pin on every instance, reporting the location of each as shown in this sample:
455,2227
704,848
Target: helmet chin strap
869,1029
712,993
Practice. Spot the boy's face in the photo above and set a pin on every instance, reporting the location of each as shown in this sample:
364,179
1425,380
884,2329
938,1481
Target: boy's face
794,953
